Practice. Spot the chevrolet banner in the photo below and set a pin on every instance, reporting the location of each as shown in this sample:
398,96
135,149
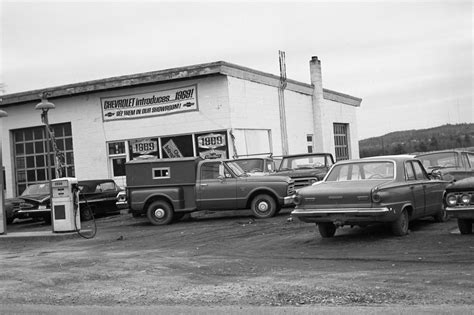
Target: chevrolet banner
167,102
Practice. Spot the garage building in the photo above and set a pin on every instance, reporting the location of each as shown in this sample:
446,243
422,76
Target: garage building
213,110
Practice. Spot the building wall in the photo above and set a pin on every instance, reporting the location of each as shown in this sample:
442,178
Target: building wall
255,105
334,112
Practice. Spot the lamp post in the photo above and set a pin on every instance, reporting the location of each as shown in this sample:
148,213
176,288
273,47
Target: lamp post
3,225
45,106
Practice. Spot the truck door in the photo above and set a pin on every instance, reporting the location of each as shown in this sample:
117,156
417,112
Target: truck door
213,192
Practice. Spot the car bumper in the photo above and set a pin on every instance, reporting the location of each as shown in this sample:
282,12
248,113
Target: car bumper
461,212
38,213
289,201
121,205
345,215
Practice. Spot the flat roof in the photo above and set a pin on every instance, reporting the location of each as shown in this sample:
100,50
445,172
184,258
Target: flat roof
172,74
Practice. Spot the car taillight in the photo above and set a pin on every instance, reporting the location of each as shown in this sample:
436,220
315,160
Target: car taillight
297,199
451,200
376,197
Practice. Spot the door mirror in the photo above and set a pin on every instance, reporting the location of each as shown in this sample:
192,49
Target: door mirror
221,172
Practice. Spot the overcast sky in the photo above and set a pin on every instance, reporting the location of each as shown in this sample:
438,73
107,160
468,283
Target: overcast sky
411,62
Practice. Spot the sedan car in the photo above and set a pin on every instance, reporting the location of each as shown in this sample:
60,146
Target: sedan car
451,165
97,196
459,201
391,189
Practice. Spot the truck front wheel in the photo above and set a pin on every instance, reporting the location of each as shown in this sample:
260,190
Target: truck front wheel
263,206
160,213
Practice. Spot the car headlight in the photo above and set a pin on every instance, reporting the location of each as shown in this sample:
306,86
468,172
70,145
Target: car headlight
451,200
465,199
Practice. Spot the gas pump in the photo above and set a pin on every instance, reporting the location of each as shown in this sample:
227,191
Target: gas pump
65,205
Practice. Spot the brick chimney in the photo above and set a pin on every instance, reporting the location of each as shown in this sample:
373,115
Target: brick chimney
317,101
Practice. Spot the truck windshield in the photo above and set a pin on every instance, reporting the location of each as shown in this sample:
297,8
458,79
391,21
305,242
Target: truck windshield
235,168
303,162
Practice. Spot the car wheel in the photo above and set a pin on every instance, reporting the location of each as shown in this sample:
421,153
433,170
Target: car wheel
326,229
87,213
465,226
160,213
263,206
441,216
400,225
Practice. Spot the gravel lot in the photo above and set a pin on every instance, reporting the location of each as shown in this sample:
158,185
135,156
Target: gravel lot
229,259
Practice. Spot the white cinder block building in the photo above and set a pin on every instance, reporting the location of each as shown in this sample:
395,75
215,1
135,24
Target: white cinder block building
209,110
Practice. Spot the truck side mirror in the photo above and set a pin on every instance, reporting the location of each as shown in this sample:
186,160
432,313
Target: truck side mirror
221,172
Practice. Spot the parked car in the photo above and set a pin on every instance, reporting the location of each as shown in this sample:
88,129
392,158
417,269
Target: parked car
305,169
391,189
459,201
256,165
450,165
99,196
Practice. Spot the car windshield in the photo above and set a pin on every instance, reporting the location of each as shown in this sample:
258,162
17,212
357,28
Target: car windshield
36,189
235,168
441,159
361,171
303,162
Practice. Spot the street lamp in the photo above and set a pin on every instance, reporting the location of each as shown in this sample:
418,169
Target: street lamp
3,227
45,106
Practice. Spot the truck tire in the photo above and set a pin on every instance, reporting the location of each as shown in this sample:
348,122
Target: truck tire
326,229
160,213
400,225
465,226
263,206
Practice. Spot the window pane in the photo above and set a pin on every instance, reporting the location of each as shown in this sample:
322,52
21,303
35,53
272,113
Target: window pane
40,161
30,161
41,174
68,143
39,147
31,174
38,133
118,166
19,149
28,134
29,148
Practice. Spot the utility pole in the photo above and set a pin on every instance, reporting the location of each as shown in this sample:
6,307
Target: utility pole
281,103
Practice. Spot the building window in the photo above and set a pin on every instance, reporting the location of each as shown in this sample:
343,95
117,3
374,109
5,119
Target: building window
117,157
30,154
309,143
340,142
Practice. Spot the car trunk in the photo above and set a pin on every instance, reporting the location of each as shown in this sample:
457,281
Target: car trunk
348,194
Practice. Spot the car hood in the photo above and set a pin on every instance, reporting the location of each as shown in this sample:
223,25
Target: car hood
462,184
268,179
36,198
303,172
344,193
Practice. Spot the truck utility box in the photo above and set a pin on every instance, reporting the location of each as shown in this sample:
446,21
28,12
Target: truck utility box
166,189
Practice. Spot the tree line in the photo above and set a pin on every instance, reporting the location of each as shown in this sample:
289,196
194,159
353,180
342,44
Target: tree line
416,141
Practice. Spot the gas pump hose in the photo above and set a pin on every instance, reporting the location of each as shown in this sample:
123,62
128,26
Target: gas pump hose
94,230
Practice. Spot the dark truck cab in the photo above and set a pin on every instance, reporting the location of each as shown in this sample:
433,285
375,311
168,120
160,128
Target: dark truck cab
167,189
305,169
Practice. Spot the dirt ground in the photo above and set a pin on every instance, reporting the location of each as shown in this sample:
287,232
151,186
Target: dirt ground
231,259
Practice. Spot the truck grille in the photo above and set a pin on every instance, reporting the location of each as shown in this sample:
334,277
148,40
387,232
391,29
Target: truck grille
303,182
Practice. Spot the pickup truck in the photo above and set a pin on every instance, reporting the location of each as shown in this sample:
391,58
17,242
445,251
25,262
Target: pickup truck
167,189
305,169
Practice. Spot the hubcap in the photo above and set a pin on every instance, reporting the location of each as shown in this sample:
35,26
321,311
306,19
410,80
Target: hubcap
263,206
159,213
